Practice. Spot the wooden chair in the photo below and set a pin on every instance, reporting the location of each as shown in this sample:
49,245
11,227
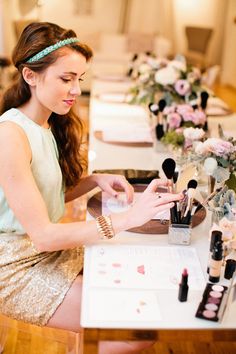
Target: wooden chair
198,39
15,334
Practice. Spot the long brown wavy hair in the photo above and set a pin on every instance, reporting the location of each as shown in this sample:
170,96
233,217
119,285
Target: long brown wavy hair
67,129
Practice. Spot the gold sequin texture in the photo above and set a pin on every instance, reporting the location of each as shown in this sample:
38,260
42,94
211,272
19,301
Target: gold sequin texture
33,284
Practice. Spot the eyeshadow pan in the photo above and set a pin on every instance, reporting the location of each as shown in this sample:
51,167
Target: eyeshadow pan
215,294
218,288
209,314
210,306
213,300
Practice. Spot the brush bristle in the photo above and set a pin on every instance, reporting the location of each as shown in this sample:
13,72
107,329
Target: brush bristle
204,99
159,131
168,167
153,107
175,176
161,104
192,184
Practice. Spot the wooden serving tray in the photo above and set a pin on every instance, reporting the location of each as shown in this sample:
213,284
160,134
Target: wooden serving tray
98,135
152,226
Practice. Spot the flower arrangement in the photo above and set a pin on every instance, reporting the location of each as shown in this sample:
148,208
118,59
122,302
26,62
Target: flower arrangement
219,156
184,125
174,79
223,204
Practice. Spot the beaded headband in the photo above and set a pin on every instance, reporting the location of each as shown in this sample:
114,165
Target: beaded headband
51,48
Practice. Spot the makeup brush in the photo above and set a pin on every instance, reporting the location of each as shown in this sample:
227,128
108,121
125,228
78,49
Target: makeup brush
175,178
204,99
192,185
153,108
130,71
193,100
203,104
135,57
160,128
168,167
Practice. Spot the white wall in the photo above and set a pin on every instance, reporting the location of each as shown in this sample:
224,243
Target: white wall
202,13
151,16
105,16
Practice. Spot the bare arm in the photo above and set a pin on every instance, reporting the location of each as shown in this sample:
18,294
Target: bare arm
27,203
85,185
106,182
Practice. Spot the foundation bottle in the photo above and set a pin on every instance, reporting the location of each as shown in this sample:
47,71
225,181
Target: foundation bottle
216,262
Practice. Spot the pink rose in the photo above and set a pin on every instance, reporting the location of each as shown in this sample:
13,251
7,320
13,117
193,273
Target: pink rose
184,108
223,148
199,117
169,110
189,117
182,87
216,146
174,120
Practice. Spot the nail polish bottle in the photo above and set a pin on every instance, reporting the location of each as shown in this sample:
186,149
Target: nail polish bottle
183,286
216,262
216,236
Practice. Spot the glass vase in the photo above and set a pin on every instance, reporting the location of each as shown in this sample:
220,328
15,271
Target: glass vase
200,174
216,216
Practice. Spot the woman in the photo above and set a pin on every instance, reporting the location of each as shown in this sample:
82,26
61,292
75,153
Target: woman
41,169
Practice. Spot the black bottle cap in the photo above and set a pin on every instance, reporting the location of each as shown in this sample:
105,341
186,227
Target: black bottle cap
230,268
216,236
213,279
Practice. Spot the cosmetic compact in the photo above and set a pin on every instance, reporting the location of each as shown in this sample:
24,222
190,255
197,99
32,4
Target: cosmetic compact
213,302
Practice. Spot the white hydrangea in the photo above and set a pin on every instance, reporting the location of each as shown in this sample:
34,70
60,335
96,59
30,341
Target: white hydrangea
167,76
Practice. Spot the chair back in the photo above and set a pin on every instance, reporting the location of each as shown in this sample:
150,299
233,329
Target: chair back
198,38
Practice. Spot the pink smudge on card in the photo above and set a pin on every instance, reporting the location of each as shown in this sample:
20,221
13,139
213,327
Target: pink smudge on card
141,269
116,265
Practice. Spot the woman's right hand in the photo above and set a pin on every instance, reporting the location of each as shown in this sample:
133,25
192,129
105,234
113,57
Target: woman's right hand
150,203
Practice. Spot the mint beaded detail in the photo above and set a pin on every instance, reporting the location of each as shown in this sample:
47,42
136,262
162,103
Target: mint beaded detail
51,49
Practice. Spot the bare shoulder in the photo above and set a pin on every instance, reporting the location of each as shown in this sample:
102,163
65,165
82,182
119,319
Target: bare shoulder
9,128
13,140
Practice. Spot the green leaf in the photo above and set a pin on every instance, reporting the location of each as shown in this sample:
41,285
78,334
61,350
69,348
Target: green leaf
231,182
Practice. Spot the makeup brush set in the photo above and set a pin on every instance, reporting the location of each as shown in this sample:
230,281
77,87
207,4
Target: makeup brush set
157,109
182,212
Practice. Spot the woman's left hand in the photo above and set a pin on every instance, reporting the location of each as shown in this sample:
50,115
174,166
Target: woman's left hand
108,183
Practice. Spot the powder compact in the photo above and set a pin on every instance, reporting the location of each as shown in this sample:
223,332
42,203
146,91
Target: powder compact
213,302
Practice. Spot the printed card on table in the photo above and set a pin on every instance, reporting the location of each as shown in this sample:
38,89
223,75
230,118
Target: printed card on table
143,267
123,305
119,204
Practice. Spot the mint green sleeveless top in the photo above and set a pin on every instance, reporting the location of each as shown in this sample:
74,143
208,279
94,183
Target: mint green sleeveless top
45,169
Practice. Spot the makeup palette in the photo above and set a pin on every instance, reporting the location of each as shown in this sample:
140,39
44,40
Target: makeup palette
213,302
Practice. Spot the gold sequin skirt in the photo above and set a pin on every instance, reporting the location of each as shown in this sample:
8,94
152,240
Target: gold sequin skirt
33,284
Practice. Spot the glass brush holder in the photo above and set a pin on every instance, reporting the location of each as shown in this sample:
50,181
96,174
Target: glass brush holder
179,234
